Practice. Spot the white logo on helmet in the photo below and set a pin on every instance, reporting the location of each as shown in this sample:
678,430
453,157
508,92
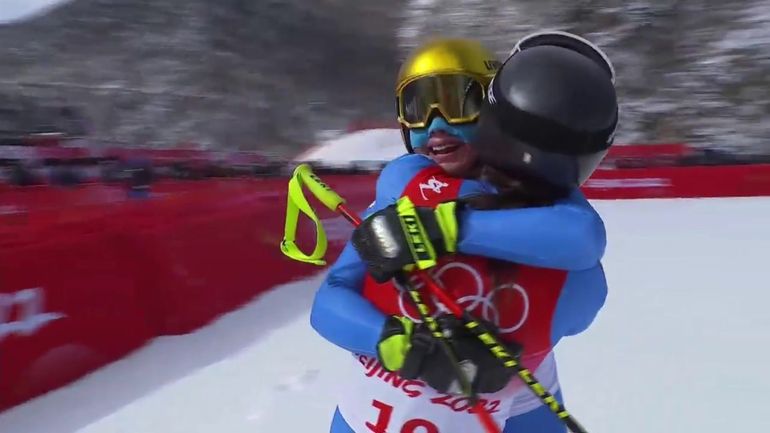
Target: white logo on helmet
490,93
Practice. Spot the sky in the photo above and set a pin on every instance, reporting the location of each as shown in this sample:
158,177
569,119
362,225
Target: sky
12,10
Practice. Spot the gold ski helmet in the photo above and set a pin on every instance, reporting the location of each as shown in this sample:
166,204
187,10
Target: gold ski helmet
444,76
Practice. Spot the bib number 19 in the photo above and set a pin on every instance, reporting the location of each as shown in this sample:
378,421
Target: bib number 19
414,425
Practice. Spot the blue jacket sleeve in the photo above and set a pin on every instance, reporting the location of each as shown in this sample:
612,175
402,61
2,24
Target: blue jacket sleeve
581,299
569,235
396,175
340,313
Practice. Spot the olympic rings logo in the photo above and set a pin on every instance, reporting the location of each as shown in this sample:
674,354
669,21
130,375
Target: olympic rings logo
477,302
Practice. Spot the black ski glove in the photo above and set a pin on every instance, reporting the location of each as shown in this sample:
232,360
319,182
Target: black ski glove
403,237
416,354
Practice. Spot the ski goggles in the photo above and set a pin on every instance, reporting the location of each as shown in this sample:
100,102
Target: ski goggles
456,97
569,41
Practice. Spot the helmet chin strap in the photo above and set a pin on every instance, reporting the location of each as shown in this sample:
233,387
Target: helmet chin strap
419,136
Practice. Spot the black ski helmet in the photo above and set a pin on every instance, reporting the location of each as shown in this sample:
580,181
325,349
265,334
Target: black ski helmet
551,111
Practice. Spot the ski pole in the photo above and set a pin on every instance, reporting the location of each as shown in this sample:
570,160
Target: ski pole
335,203
303,175
485,418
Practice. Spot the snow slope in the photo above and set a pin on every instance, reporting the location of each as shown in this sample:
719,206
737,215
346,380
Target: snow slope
366,145
680,346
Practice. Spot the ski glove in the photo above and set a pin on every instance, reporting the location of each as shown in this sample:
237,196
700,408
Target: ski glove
403,237
411,350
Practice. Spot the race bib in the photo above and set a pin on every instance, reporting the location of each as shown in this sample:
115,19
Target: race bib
378,401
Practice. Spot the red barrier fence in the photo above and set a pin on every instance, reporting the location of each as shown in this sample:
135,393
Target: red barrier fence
87,275
680,182
68,306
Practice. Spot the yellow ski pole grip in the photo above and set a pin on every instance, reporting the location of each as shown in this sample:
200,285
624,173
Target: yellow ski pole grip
295,203
320,190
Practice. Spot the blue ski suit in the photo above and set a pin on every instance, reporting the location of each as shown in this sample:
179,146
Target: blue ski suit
568,235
